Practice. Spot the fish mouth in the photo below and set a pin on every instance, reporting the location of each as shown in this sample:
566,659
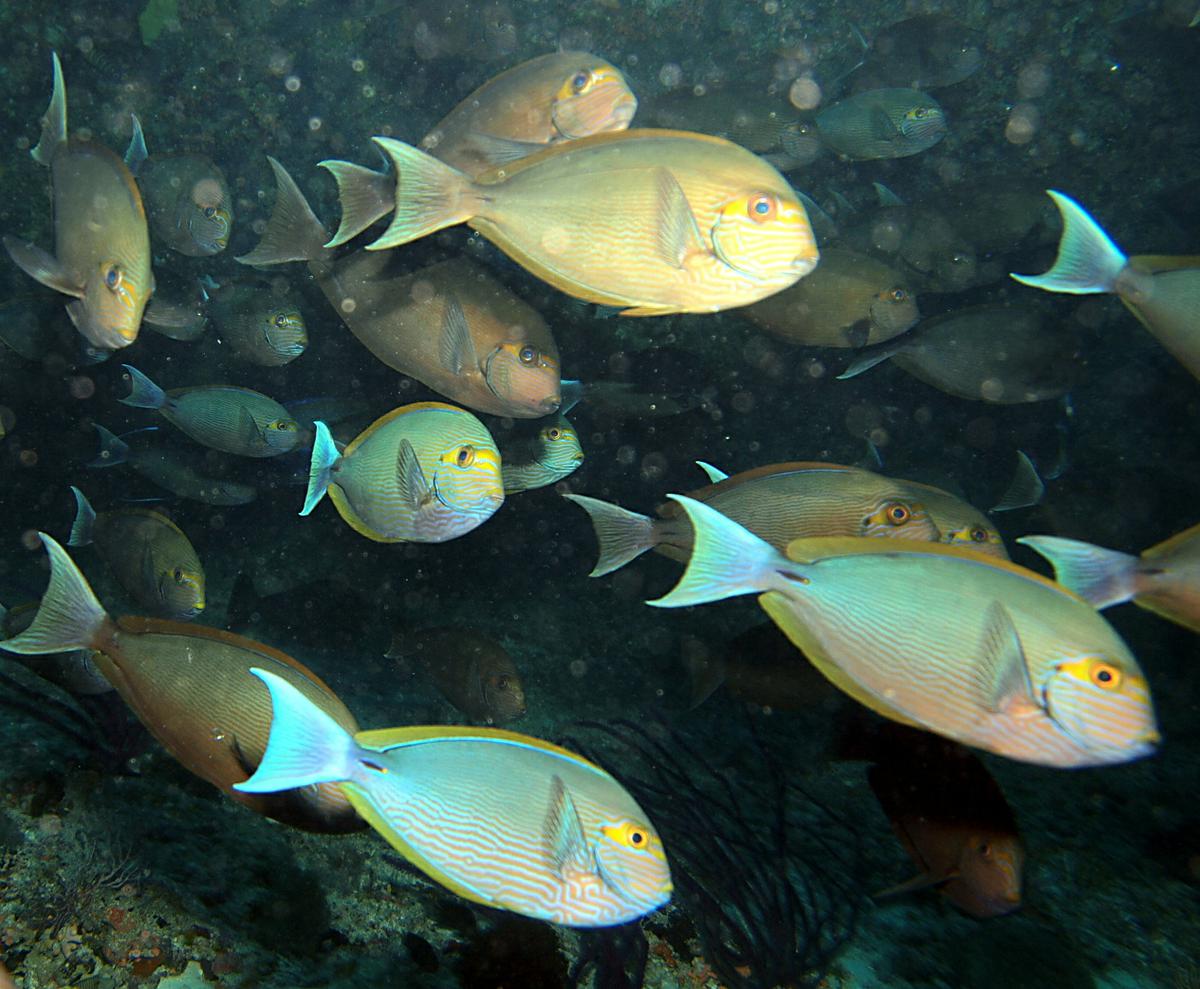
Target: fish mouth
550,404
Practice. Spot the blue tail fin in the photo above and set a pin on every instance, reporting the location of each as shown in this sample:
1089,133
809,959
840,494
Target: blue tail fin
324,456
69,616
145,394
85,520
1088,261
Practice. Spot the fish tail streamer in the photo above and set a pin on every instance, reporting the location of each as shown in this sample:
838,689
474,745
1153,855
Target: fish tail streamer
623,535
85,520
293,232
69,617
1102,577
144,394
54,123
727,560
324,456
366,196
1087,262
113,449
305,746
429,196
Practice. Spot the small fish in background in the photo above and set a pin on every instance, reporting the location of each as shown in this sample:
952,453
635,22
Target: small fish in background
425,473
262,327
1162,292
545,458
655,222
191,686
469,668
850,300
73,670
179,471
1003,354
974,649
151,557
1165,579
545,101
959,522
498,818
925,52
882,123
223,417
451,326
187,198
777,502
948,812
923,243
102,244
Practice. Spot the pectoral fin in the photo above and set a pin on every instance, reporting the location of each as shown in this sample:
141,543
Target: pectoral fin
922,880
566,845
1002,671
42,267
678,232
414,489
501,150
882,127
456,349
250,430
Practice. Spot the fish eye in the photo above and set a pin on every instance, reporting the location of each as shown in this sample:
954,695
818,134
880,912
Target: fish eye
979,534
113,277
553,433
579,81
210,211
281,319
178,575
528,355
1105,676
898,514
502,682
464,456
284,425
920,113
898,295
761,208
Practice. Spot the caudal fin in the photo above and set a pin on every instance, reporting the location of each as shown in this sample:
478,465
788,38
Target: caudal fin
877,356
85,520
305,746
1102,577
293,233
429,196
365,196
1088,261
144,393
324,456
623,535
69,617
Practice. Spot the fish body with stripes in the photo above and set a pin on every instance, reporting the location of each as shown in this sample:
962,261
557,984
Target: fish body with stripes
501,819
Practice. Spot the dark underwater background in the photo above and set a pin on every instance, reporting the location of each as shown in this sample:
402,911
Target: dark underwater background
118,868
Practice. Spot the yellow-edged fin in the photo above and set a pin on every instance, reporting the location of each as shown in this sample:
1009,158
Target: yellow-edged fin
1168,546
352,518
1154,263
775,605
1152,604
381,739
395,414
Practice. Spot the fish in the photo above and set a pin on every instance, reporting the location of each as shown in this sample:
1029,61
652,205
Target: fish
151,557
192,688
528,462
850,300
1162,292
223,417
262,326
925,52
72,670
170,468
102,243
951,817
653,221
425,473
451,326
974,649
882,123
777,502
1003,354
1164,579
187,198
924,245
469,668
500,819
959,522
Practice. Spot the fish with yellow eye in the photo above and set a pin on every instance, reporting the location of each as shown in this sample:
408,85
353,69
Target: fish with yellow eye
223,417
102,243
959,522
501,819
151,557
187,198
451,325
553,98
882,123
424,473
653,221
529,462
967,646
263,327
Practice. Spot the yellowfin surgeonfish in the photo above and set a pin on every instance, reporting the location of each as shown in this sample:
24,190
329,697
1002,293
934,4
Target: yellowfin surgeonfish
1165,579
1162,292
973,648
150,555
425,473
224,417
101,242
653,220
541,460
501,819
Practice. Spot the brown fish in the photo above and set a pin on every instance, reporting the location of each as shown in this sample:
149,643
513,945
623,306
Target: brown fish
470,669
191,686
450,326
850,300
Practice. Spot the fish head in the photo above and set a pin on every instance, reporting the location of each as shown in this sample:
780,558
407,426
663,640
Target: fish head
765,236
593,99
990,869
209,218
503,695
633,864
897,518
923,123
977,536
109,313
1102,703
281,435
560,445
284,330
524,377
182,591
467,480
893,311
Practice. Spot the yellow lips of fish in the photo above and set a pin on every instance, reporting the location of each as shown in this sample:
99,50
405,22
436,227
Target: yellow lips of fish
761,235
592,101
521,374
